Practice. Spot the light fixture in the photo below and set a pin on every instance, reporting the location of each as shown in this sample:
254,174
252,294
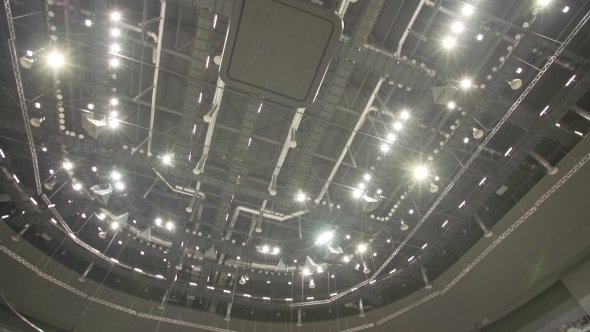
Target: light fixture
384,147
114,63
77,186
362,248
479,37
325,237
300,197
115,16
565,9
449,42
101,216
306,272
114,225
116,175
320,269
451,105
346,259
115,32
55,59
311,284
114,114
466,140
477,133
167,159
90,106
362,186
115,48
114,102
433,188
88,23
37,105
467,10
119,186
265,249
405,115
543,3
169,225
366,269
158,221
515,84
457,27
36,122
276,250
404,226
347,237
390,138
397,126
411,211
420,172
367,177
518,70
113,122
466,83
357,193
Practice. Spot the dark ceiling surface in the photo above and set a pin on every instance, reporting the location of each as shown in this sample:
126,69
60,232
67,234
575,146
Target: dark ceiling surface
226,169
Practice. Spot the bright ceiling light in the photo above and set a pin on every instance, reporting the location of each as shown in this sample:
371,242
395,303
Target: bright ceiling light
37,105
466,140
362,248
167,159
466,83
158,221
384,147
420,172
115,32
94,169
325,237
300,197
405,115
397,126
119,186
276,250
479,37
101,216
68,166
565,9
357,193
115,16
346,259
113,122
347,237
362,186
116,175
449,42
519,70
391,137
88,23
467,10
306,272
90,106
367,177
114,102
115,48
77,186
265,248
114,63
457,27
115,225
169,225
55,60
451,105
114,114
320,269
543,3
30,53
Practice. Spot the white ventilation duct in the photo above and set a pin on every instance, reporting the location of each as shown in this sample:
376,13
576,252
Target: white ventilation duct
427,284
228,313
361,308
550,169
266,213
484,228
20,233
82,278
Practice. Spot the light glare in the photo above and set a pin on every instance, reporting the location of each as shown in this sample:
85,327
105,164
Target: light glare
115,32
114,62
301,197
449,42
405,115
362,248
116,175
119,186
466,83
420,172
116,16
325,237
115,225
457,27
397,126
55,60
467,10
169,225
451,105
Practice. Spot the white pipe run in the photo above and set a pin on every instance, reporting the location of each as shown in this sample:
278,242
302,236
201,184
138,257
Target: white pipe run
211,117
410,24
156,74
357,127
267,214
179,189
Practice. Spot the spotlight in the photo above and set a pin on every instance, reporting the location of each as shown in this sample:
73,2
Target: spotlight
467,10
384,147
169,225
367,177
357,193
119,186
346,259
115,32
306,272
167,159
158,221
265,249
404,226
300,197
449,42
451,105
466,83
347,237
391,137
479,37
114,102
116,175
311,284
362,248
114,63
30,53
420,172
466,140
320,269
88,23
518,70
116,16
114,114
101,216
90,106
37,105
115,225
77,186
55,60
67,165
405,115
543,3
457,27
477,133
325,237
276,250
113,122
362,186
397,126
115,48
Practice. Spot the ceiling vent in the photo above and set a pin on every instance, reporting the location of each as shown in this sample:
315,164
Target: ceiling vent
92,126
443,94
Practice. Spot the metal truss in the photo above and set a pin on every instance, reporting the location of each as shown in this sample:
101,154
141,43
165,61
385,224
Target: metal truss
466,165
112,305
21,93
63,285
358,328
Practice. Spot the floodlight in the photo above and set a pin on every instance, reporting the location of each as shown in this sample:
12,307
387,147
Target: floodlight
169,225
405,115
325,237
457,27
115,225
449,42
67,165
116,175
300,197
55,60
362,248
115,16
467,10
466,83
420,172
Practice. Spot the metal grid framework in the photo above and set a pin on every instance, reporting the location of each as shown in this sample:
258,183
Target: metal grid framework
333,119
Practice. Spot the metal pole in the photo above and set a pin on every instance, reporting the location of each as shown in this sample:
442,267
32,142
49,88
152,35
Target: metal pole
550,169
427,284
156,74
21,233
82,278
484,228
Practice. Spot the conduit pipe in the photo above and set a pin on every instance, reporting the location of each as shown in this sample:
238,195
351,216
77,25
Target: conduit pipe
210,118
156,74
357,127
265,213
410,24
343,7
181,190
150,34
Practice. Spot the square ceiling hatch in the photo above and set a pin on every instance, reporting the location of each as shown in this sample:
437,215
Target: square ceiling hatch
279,49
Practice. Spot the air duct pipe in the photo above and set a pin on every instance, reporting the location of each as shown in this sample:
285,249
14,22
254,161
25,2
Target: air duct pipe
409,27
550,169
581,112
265,213
427,284
156,74
82,278
164,298
361,308
150,34
356,129
289,142
299,317
182,190
21,233
484,228
228,314
210,118
191,205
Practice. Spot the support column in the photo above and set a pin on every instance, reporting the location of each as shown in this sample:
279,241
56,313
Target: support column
164,298
484,228
427,284
21,233
361,308
82,278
